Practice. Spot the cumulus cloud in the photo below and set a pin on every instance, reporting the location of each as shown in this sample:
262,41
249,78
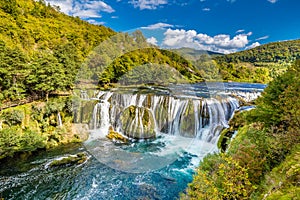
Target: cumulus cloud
148,4
152,40
190,38
253,45
158,26
82,9
272,1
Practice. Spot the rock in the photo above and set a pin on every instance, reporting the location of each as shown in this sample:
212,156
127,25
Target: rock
113,135
187,121
70,160
80,131
138,123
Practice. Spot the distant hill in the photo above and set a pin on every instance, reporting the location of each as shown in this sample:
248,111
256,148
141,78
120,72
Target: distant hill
260,64
285,51
194,54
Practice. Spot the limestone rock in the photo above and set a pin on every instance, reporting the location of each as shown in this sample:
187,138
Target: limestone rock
138,123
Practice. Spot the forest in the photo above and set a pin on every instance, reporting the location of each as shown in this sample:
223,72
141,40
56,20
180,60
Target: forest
45,53
262,162
42,51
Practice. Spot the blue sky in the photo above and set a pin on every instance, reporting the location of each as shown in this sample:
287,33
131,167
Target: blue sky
217,25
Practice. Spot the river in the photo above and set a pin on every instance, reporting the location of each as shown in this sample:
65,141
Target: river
184,120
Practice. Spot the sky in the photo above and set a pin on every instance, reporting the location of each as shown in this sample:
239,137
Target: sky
223,26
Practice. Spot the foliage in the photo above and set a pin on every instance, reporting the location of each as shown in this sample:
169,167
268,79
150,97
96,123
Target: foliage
41,49
283,181
287,51
33,126
220,177
266,148
14,140
260,64
145,57
279,105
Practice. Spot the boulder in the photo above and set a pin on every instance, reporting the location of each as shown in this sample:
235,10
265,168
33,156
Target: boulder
115,136
138,123
70,160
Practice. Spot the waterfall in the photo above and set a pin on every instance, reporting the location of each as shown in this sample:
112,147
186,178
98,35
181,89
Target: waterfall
59,121
84,95
139,115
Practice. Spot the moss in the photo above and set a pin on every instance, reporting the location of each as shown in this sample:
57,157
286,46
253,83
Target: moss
143,128
70,160
32,126
115,136
238,120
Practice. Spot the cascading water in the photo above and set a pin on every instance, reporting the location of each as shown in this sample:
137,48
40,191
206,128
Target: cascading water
201,118
175,123
59,120
185,126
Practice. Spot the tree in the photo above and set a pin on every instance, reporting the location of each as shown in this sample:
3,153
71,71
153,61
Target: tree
48,75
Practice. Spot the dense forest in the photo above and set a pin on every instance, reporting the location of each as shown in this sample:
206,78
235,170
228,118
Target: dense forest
262,162
41,49
260,64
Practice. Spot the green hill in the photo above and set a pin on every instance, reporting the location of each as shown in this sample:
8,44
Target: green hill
194,54
41,49
260,64
276,52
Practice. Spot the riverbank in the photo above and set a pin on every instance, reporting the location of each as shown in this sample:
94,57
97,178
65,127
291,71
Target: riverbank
39,125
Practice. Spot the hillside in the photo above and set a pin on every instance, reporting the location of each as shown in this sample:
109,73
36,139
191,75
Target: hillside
260,64
41,48
276,52
194,54
262,161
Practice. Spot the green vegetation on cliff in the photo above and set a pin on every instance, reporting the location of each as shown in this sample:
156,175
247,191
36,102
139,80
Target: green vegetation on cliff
262,162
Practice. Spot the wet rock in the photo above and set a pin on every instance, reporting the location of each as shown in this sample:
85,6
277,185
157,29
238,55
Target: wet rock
70,160
187,122
138,123
115,136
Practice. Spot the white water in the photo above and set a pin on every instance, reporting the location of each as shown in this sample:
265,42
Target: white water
59,121
206,117
182,126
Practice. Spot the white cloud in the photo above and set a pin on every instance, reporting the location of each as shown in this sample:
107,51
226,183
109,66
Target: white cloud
190,38
272,1
83,9
253,45
152,40
240,31
158,26
92,21
262,38
206,9
148,4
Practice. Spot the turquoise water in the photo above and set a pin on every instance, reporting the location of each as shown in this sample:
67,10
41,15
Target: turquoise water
160,168
32,179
